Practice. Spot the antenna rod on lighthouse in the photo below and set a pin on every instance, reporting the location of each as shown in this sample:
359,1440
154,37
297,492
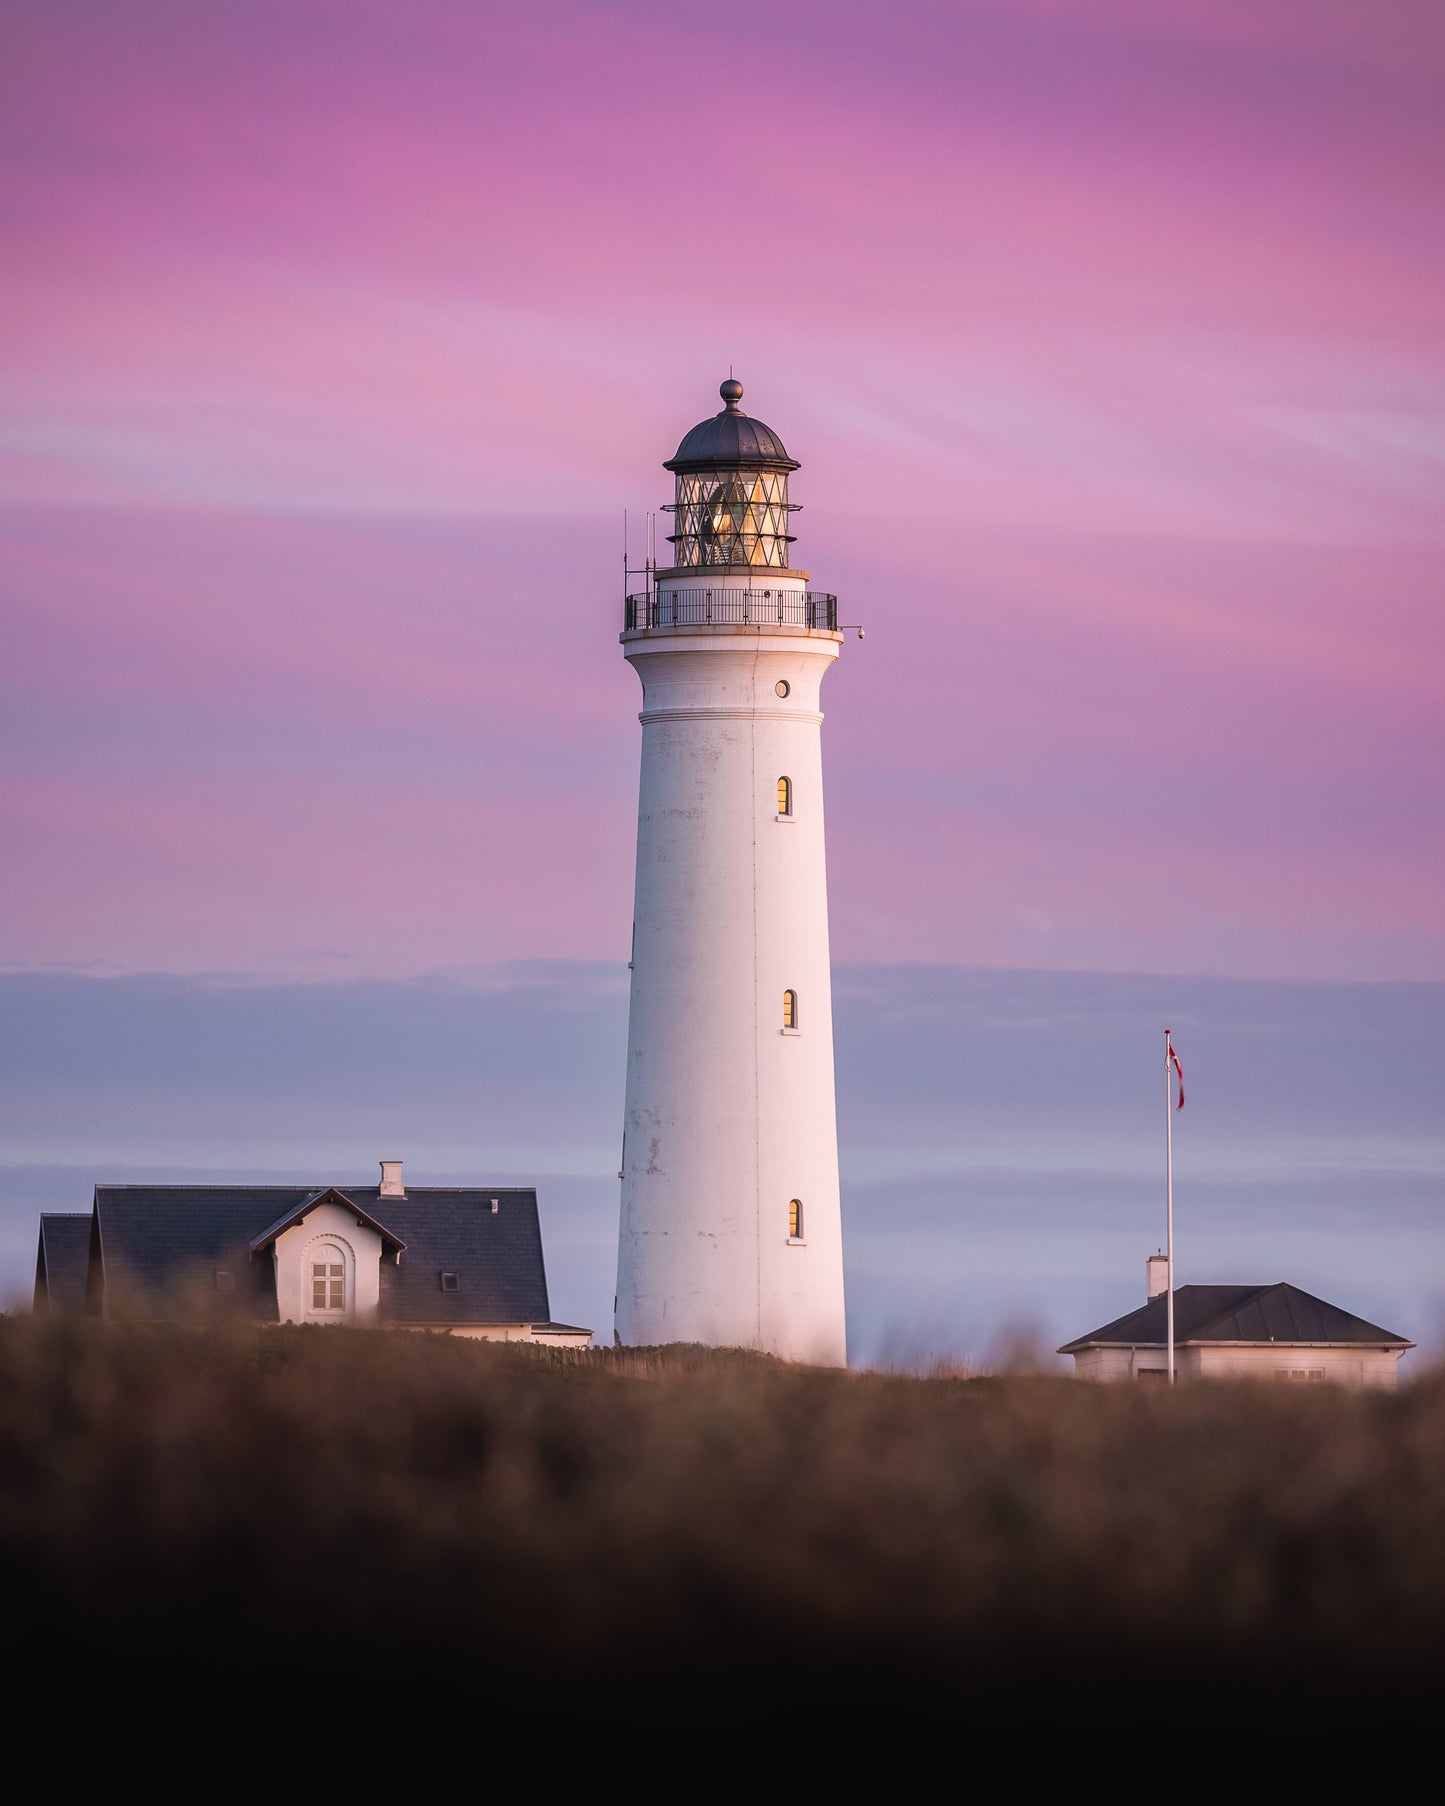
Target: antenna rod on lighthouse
1169,1196
1169,1200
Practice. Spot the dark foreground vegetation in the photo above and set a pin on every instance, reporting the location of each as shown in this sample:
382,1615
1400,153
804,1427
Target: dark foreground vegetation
191,1497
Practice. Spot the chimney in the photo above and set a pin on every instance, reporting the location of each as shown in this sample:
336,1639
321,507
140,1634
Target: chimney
391,1185
1157,1270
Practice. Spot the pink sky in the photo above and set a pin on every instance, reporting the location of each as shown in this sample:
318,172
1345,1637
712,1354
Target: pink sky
336,338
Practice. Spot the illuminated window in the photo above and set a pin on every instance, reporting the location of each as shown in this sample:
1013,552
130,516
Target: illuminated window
795,1219
328,1280
790,1009
785,796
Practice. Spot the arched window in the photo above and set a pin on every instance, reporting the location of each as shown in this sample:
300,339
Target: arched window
795,1219
785,796
328,1279
790,1009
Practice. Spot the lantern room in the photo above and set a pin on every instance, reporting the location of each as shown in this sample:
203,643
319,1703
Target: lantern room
732,505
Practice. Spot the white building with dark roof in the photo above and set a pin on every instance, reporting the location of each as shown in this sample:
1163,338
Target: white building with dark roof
1240,1332
465,1261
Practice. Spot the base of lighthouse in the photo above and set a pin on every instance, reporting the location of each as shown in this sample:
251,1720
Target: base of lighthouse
730,1227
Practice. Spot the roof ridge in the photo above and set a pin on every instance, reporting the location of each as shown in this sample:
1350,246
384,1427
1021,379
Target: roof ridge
298,1185
195,1185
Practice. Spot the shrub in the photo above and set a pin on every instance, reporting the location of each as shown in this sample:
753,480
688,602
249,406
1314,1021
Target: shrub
669,1513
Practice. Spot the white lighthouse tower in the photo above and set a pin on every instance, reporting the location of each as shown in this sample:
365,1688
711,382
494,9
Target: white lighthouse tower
731,1233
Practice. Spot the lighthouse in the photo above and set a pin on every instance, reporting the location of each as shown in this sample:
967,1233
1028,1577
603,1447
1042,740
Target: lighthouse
731,1233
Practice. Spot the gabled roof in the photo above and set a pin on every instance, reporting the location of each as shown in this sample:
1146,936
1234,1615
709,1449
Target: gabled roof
328,1194
62,1260
495,1254
1283,1313
161,1247
1273,1313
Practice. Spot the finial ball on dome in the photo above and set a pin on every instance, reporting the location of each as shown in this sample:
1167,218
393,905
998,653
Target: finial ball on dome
731,392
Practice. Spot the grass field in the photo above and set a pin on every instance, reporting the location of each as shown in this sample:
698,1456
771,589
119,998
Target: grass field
676,1513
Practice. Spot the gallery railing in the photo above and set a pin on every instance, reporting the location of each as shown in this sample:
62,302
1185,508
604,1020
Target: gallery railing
732,608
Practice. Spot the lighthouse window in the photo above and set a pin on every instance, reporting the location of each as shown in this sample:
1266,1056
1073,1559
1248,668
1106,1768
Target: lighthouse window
790,1009
785,796
782,686
795,1219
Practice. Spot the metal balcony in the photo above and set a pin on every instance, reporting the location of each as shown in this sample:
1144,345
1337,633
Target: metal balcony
720,607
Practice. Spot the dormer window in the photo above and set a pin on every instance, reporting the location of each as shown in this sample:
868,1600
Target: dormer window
327,1256
451,1282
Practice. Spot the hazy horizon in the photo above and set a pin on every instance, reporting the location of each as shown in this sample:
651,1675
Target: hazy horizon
1001,1134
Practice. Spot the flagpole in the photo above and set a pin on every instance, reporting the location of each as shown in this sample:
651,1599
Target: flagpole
1169,1197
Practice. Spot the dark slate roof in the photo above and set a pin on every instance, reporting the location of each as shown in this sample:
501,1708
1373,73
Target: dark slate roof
1273,1313
161,1246
497,1257
62,1261
731,438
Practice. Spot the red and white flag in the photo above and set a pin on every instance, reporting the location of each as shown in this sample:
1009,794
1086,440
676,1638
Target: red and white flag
1172,1059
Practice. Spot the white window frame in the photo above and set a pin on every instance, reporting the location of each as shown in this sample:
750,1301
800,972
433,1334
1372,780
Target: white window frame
328,1251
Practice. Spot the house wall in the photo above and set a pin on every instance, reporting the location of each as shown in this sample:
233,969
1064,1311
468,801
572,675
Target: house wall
361,1250
578,1339
1103,1364
1119,1363
504,1332
1354,1367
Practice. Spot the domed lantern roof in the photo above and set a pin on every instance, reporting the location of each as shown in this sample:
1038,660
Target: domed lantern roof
731,505
731,439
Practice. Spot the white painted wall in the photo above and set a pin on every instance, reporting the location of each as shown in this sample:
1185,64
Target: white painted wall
1112,1363
511,1332
728,1118
1350,1366
1344,1366
361,1250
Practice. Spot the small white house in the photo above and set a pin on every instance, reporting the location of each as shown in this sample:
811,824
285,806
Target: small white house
465,1261
1239,1332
